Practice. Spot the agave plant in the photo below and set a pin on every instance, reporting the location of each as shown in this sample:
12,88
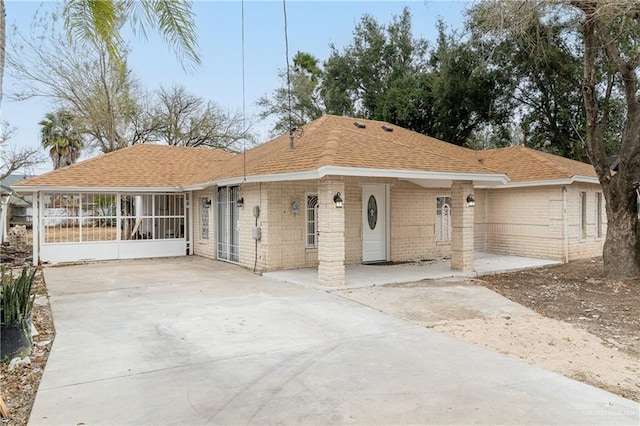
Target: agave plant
16,301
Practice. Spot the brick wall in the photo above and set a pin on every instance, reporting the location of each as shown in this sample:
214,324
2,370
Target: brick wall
529,222
331,226
204,247
462,238
250,253
286,241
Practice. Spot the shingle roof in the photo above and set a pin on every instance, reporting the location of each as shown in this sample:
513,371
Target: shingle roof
143,165
328,141
335,141
524,164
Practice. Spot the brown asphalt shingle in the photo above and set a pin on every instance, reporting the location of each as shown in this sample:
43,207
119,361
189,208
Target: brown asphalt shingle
328,141
524,164
137,166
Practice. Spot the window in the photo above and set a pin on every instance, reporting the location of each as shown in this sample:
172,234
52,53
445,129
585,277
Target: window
205,205
228,224
582,214
443,219
598,230
312,221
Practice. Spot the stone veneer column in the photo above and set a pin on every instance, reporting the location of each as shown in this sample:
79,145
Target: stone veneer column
462,227
331,244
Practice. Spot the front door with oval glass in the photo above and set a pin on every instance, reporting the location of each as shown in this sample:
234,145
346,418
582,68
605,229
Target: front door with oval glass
374,223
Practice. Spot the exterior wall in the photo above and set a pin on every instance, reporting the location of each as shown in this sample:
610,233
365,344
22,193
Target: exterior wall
462,237
413,223
204,247
284,234
331,242
530,222
590,245
252,254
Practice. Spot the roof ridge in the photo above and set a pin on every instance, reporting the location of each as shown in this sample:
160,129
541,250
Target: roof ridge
546,160
328,155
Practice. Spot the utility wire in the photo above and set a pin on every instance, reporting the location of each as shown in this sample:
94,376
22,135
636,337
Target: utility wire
286,45
244,109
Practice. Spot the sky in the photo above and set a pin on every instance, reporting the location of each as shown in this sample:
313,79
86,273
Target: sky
311,27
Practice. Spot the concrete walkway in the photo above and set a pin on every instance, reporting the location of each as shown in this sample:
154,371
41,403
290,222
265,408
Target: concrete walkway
358,276
193,341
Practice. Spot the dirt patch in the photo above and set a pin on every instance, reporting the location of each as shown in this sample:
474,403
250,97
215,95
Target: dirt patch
19,386
578,293
588,328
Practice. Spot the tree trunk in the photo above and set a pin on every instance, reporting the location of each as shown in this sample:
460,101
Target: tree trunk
621,248
2,48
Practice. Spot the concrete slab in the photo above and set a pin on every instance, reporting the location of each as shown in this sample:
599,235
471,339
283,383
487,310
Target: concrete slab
358,276
431,302
193,341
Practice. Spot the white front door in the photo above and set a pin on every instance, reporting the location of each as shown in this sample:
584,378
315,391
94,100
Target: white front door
374,223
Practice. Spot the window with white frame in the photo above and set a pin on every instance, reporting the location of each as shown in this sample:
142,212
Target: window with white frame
582,214
312,221
598,229
205,206
443,219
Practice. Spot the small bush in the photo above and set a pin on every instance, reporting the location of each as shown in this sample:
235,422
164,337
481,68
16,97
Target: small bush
16,300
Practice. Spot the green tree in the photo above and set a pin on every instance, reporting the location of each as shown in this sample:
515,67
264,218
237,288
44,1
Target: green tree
545,74
466,95
61,137
306,103
388,74
607,34
379,58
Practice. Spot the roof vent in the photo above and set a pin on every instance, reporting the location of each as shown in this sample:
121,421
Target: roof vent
387,128
359,125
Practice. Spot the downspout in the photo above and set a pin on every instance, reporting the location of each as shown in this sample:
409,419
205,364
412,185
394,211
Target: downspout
565,225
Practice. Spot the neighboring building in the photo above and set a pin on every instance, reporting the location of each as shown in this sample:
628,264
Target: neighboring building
350,191
20,209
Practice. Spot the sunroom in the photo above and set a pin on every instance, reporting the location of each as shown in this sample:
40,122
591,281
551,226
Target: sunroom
81,226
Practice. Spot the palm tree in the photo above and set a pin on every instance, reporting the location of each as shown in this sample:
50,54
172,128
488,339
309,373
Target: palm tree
101,21
60,136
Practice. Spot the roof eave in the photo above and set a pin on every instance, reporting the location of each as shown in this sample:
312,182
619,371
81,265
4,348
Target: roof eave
483,178
553,182
62,188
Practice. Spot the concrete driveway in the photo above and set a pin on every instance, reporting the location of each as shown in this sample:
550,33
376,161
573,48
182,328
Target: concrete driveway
194,341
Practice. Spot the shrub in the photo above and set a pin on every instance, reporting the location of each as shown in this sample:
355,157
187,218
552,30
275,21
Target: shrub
16,300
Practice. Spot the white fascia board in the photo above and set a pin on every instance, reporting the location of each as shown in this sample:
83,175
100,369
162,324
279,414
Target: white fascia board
553,182
357,172
412,174
24,188
277,177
